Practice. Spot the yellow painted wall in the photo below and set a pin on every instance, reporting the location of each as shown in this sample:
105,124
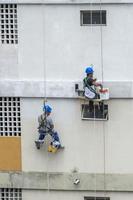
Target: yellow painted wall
10,153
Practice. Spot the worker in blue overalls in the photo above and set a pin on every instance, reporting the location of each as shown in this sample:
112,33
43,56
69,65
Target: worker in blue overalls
46,126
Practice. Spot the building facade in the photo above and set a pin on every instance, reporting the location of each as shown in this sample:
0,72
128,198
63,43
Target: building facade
45,47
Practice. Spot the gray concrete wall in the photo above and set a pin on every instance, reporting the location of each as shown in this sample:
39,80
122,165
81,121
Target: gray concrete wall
66,1
60,89
72,47
58,51
83,140
65,181
8,62
73,195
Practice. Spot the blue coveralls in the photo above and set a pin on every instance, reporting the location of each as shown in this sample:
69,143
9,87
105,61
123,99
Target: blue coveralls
45,129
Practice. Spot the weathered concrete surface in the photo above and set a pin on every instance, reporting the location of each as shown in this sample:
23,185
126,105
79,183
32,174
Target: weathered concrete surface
64,181
64,1
5,179
59,89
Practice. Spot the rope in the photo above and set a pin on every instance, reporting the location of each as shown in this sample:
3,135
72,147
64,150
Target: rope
91,4
101,39
94,129
94,122
45,88
104,161
104,136
43,51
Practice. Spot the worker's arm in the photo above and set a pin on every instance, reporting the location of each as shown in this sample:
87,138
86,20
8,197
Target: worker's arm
97,84
52,127
39,121
51,124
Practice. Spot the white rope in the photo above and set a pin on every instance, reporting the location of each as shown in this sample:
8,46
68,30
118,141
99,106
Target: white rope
45,87
101,40
94,129
104,136
104,161
43,52
91,6
94,122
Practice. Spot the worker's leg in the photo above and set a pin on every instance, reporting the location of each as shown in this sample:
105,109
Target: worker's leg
97,96
101,104
42,135
91,103
91,106
55,140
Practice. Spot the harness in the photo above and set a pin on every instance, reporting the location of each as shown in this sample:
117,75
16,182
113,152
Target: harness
86,84
43,124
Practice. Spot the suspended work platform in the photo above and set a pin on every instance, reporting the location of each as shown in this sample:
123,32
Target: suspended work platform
94,109
96,114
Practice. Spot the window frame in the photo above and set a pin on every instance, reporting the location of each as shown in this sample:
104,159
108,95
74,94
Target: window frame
96,198
91,11
11,193
95,117
10,117
8,24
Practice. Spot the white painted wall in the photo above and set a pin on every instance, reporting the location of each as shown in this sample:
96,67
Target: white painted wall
63,1
83,140
8,62
72,195
69,47
54,47
30,47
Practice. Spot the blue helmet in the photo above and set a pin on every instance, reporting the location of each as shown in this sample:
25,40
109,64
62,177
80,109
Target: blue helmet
47,109
89,70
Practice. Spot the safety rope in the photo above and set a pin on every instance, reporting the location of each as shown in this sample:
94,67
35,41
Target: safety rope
101,40
94,130
43,52
45,89
103,123
94,121
91,6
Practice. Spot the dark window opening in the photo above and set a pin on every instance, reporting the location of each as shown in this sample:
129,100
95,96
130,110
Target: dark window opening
96,198
10,118
10,194
8,21
93,17
92,111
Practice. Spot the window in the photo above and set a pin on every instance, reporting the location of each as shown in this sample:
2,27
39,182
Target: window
10,119
93,17
10,194
8,23
94,111
96,198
